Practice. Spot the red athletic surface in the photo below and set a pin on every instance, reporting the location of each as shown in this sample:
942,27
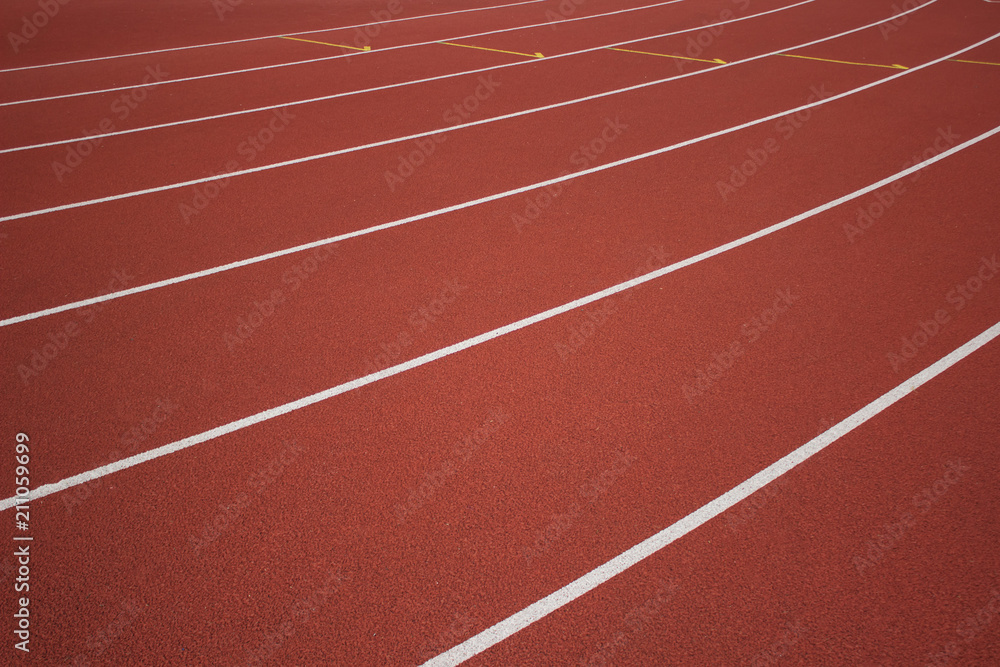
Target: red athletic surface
366,521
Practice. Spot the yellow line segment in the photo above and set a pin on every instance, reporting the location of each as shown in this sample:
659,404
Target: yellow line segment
483,48
342,46
973,62
716,61
842,62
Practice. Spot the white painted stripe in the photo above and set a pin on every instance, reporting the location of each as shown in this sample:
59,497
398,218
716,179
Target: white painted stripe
588,582
325,58
448,209
266,415
492,68
453,128
257,39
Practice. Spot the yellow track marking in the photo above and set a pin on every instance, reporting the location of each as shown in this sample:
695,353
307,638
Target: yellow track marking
973,62
341,46
717,61
483,48
842,62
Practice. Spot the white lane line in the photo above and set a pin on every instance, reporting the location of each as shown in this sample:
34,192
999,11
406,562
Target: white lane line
448,209
325,58
90,137
266,415
588,582
257,39
450,128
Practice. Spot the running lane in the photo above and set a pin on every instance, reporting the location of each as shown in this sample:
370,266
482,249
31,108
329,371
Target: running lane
89,30
334,56
546,432
82,169
392,522
878,550
303,190
508,233
170,93
367,566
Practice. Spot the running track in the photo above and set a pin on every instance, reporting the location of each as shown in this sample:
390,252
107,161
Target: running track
628,359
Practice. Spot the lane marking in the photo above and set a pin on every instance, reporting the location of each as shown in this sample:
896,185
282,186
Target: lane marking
240,424
483,48
313,41
455,207
326,58
257,39
418,135
385,142
612,568
841,62
664,55
433,78
974,62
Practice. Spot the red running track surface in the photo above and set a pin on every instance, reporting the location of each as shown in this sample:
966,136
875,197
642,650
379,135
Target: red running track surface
196,497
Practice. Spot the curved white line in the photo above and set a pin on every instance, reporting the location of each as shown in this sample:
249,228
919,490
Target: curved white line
612,568
323,98
418,135
468,204
257,39
479,642
325,58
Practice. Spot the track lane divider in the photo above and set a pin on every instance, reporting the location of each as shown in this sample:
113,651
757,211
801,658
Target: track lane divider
257,39
266,415
271,107
588,582
421,216
326,58
476,123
